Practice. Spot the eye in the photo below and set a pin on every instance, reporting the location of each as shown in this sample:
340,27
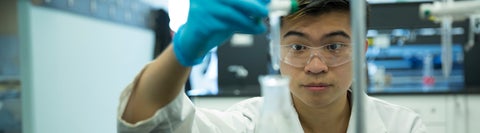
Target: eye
298,47
335,46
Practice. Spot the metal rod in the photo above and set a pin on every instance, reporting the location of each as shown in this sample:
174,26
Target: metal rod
358,22
446,45
24,8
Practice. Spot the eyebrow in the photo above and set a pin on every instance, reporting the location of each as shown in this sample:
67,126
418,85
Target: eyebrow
294,33
331,34
337,33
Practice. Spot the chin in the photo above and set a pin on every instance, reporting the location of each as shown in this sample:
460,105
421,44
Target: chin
313,100
318,101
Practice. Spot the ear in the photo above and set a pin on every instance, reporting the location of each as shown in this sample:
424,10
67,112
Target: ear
366,45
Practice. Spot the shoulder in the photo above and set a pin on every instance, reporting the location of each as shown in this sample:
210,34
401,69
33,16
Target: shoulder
393,116
248,108
386,105
250,104
387,109
238,117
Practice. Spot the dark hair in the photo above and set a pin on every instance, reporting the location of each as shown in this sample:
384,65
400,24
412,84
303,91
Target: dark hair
318,7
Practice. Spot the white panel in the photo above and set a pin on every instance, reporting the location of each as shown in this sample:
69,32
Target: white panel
79,66
473,113
436,129
456,113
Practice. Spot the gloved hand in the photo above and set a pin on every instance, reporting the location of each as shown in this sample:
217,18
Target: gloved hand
211,22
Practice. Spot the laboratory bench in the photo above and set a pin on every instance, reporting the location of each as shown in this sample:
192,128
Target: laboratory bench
466,90
415,82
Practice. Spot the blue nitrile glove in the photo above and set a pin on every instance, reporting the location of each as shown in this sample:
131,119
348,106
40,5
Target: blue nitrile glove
211,22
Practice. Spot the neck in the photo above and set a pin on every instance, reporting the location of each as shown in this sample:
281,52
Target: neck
330,118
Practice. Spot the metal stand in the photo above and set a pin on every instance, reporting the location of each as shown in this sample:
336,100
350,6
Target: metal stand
358,21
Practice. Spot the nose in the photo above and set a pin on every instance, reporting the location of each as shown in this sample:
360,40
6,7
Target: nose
315,65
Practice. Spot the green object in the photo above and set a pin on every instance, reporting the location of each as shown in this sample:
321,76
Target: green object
294,6
427,13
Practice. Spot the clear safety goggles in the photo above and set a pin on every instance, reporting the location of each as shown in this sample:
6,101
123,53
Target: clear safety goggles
332,54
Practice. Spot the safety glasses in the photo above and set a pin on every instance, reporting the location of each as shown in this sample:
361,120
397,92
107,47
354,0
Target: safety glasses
331,54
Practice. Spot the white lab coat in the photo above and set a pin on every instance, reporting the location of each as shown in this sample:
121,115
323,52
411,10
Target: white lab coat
181,116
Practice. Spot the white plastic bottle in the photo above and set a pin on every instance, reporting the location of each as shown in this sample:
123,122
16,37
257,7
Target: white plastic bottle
277,114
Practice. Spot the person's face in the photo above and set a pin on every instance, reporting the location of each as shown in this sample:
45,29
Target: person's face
316,84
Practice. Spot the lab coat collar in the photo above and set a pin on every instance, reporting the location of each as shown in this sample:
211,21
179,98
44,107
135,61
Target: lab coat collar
373,121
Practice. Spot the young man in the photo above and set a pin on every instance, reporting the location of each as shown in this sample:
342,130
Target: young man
316,54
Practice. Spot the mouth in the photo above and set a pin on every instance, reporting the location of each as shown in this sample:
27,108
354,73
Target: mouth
316,86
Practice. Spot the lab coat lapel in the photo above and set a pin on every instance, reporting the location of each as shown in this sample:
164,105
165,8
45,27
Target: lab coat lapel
295,118
373,122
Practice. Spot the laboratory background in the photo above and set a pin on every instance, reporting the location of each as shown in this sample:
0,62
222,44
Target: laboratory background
64,63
